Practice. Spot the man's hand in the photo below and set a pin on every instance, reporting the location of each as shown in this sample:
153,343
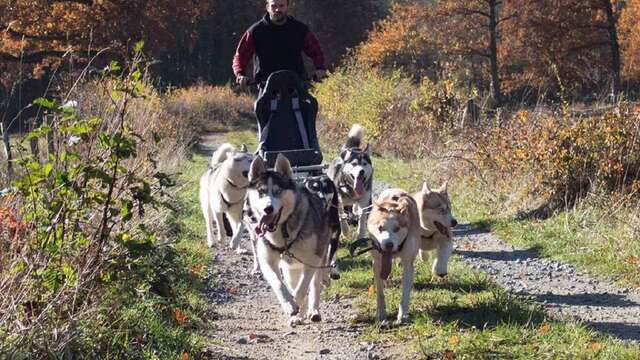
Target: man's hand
242,80
320,74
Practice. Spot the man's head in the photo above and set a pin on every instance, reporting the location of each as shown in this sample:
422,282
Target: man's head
277,10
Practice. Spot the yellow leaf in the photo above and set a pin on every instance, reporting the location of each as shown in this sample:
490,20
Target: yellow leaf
544,328
184,356
453,340
372,289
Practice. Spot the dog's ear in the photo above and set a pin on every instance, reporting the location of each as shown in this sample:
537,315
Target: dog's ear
257,169
243,148
283,166
444,187
425,188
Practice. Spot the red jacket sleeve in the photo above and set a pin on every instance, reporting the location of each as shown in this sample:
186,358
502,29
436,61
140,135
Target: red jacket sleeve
244,53
313,50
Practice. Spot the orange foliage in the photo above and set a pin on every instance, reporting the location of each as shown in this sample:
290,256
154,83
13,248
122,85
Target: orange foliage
404,39
630,38
569,34
41,33
11,228
566,154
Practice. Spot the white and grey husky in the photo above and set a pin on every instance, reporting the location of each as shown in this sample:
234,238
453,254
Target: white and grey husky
293,238
222,192
352,173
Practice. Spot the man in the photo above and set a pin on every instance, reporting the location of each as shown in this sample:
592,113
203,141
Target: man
277,41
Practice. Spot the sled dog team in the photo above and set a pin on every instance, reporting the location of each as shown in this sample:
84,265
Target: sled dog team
295,226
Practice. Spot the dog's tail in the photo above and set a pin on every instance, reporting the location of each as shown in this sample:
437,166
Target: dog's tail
221,154
356,134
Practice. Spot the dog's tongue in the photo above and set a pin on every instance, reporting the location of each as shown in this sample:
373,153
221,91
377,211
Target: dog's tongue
386,265
442,229
359,186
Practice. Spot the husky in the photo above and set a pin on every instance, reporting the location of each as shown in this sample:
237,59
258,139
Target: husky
352,173
293,238
436,222
395,229
222,191
324,188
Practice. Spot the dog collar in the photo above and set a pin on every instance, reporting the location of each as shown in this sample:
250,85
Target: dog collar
227,202
430,237
236,186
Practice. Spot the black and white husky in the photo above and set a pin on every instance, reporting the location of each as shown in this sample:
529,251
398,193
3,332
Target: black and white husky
293,235
352,172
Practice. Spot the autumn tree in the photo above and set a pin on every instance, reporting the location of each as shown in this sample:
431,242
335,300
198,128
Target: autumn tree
630,39
573,40
339,24
38,37
402,40
472,29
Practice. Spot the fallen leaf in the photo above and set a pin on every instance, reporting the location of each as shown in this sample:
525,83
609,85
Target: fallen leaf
448,355
633,260
179,317
184,356
467,245
196,270
372,290
232,291
544,328
453,340
595,346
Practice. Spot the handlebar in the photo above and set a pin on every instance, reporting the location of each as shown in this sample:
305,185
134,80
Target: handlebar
305,83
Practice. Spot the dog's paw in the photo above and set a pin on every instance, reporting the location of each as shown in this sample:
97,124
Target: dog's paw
295,321
439,279
402,319
241,251
314,316
291,308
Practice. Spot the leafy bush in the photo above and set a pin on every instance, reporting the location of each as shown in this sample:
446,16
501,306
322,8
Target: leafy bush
86,269
400,117
566,156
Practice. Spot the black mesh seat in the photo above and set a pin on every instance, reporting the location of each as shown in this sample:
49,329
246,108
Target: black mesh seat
286,115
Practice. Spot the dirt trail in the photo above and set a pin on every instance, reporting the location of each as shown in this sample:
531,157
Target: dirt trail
249,323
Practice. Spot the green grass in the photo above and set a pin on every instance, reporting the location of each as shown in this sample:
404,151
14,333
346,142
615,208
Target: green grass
468,316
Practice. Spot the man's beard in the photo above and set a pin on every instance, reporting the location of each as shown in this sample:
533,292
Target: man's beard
278,18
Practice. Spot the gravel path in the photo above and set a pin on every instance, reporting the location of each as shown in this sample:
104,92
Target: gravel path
249,323
562,289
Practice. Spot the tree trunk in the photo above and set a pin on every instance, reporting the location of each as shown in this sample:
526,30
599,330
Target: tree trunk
493,52
615,47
